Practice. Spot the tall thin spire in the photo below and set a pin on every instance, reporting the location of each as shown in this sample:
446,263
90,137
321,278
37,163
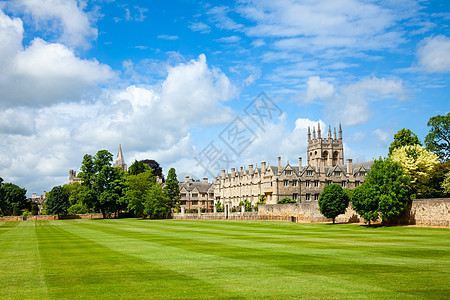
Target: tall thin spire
319,135
309,133
329,132
314,132
340,131
120,161
334,132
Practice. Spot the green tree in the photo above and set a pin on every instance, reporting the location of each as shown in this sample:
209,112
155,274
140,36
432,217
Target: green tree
391,187
12,196
87,170
77,208
333,201
172,188
404,137
138,187
156,202
219,206
365,202
432,188
34,208
286,200
417,162
137,167
57,201
438,139
446,184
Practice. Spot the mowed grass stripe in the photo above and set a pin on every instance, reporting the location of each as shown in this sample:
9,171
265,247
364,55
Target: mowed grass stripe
21,273
298,275
346,246
79,267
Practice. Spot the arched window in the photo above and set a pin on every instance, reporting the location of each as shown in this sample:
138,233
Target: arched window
335,158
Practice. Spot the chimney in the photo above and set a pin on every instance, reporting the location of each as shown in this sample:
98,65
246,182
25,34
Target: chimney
186,180
242,171
223,174
33,196
279,164
300,163
349,167
250,169
233,172
205,180
263,167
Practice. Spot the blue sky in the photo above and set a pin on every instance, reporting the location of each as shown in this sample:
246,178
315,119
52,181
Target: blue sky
172,80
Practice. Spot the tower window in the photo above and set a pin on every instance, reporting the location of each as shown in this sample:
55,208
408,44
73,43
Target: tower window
294,183
286,183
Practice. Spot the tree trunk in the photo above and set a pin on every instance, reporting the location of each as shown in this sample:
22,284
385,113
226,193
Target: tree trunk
333,220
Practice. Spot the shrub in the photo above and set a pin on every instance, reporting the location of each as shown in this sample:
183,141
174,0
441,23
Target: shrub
17,211
34,208
77,209
286,200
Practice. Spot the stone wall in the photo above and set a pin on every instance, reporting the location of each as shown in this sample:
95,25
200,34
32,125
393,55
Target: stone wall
68,217
246,216
11,218
426,212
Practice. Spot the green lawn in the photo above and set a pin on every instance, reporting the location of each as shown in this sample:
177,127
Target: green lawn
175,259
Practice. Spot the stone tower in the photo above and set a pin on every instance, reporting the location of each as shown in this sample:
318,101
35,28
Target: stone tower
120,162
325,151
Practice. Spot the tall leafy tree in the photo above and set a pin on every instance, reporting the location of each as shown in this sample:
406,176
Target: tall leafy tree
404,137
137,167
390,186
418,163
446,184
57,201
157,170
172,188
438,139
365,202
333,201
156,202
138,187
12,196
87,170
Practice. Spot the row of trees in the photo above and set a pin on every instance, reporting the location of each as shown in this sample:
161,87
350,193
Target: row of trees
110,190
13,199
410,171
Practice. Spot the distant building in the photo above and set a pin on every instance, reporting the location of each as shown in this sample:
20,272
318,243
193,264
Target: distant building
303,183
120,162
38,200
195,195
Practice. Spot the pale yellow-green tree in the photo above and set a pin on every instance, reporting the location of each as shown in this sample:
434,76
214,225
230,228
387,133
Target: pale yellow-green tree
417,162
446,184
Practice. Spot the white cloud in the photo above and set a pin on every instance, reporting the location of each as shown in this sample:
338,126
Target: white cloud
229,39
382,137
149,121
66,18
168,37
42,73
349,104
219,16
200,26
434,54
317,25
318,89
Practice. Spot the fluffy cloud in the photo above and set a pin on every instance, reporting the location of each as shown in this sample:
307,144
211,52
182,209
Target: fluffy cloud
349,104
65,17
149,121
434,54
318,89
42,73
313,25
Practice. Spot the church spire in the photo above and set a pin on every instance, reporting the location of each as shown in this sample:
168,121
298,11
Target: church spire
309,133
120,161
329,132
340,132
319,135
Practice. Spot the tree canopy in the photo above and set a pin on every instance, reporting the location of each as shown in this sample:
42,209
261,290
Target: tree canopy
333,201
157,170
172,188
57,201
12,196
389,184
404,137
418,163
365,202
438,139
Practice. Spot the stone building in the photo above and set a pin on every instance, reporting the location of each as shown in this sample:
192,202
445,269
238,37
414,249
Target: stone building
120,162
325,165
195,195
